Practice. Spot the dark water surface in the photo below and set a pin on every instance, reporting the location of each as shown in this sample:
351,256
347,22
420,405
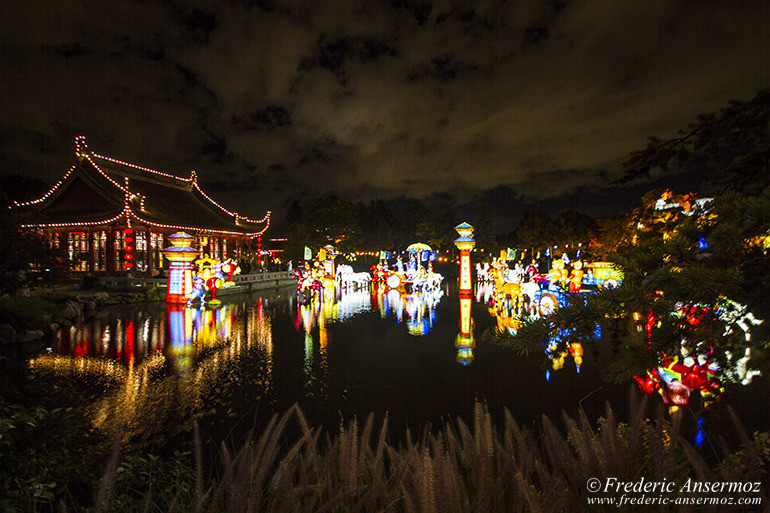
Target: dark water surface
158,369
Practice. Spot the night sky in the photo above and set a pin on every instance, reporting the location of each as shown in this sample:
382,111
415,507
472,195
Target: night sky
517,103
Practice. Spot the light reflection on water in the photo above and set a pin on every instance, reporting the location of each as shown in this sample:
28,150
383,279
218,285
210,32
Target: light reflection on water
166,377
162,368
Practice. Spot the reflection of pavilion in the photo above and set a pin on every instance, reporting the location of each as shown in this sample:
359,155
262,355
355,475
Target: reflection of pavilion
202,343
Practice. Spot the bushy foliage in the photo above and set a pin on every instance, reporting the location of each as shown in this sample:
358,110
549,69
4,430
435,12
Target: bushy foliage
26,312
48,456
677,292
461,467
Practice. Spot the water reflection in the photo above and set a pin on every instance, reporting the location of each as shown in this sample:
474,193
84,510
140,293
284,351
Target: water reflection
416,310
230,368
166,373
510,313
465,343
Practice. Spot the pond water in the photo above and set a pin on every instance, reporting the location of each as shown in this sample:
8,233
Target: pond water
155,369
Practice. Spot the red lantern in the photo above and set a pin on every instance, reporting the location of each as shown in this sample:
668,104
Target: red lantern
128,239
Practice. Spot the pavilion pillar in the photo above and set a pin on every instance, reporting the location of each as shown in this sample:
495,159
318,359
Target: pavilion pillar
110,250
90,249
147,250
64,247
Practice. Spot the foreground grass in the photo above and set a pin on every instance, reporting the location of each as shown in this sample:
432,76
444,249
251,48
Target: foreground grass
455,469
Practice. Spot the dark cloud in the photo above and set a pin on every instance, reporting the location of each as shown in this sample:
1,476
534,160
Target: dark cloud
272,99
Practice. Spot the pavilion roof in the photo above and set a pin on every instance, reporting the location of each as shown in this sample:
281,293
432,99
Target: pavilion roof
101,190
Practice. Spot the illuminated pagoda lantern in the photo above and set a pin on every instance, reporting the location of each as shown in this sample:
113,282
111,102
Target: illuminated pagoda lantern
109,216
465,244
329,253
180,269
464,341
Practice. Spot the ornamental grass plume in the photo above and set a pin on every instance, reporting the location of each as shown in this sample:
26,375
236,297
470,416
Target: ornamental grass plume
456,468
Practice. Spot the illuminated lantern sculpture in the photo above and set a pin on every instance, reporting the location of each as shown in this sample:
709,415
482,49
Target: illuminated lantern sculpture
464,342
329,253
465,244
213,284
180,256
128,248
229,268
198,290
576,277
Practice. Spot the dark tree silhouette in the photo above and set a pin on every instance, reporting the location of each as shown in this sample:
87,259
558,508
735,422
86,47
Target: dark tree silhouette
732,147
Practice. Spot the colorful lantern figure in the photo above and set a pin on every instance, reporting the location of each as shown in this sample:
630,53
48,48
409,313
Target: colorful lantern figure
576,277
214,283
229,268
207,267
558,275
180,269
674,382
329,253
198,290
650,383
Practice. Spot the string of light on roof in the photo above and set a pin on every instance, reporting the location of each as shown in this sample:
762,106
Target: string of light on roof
194,179
51,191
128,164
127,214
193,228
234,214
79,223
105,174
81,150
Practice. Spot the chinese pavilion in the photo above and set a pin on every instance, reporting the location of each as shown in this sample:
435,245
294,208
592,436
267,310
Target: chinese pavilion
107,215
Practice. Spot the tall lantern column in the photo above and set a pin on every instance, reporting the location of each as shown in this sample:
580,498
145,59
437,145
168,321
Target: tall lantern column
465,244
465,343
180,256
